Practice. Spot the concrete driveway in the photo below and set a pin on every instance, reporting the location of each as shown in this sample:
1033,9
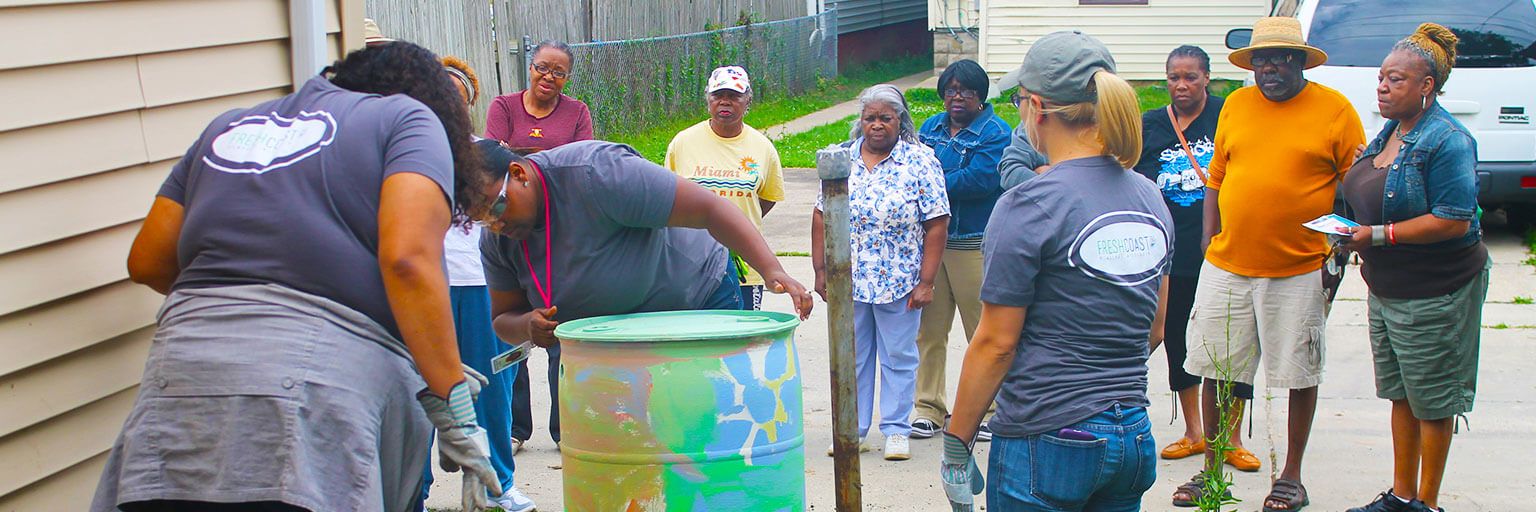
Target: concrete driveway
1349,460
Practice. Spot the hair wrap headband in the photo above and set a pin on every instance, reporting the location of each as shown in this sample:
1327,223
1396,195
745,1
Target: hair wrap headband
1437,45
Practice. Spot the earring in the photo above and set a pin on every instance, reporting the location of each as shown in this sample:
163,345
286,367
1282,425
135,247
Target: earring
1426,102
525,183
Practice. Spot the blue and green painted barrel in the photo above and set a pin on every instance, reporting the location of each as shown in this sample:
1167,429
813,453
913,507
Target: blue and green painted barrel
682,410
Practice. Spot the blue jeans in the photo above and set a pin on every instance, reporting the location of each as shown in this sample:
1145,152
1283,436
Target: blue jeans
493,409
1044,472
728,294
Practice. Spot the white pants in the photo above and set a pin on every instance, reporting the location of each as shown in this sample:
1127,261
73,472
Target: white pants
888,331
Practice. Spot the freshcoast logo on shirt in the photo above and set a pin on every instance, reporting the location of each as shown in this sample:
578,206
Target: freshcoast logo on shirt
259,143
1125,248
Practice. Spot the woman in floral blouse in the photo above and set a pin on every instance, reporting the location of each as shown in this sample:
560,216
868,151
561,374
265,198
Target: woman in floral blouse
900,215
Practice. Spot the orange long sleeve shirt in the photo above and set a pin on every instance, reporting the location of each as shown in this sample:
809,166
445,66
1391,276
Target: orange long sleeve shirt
1277,165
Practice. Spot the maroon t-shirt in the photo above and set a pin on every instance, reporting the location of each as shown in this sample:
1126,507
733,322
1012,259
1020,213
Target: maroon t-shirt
509,122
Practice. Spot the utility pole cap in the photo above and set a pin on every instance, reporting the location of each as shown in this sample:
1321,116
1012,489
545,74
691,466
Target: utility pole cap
832,163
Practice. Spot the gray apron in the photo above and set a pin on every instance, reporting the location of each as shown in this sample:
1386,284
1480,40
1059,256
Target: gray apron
265,393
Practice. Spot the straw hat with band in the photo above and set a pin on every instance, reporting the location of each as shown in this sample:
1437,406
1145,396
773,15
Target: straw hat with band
1277,32
371,33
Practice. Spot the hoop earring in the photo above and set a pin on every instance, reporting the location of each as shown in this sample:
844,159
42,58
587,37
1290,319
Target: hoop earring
1426,101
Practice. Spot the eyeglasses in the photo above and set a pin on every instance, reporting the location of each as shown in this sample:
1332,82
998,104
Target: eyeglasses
1016,99
544,70
963,93
1275,59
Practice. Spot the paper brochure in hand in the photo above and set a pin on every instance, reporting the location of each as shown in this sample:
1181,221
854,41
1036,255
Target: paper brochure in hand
1330,224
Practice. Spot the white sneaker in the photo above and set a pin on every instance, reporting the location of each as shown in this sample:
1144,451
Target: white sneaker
897,447
863,447
514,501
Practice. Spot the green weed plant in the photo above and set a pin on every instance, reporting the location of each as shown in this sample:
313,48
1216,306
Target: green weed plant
1216,482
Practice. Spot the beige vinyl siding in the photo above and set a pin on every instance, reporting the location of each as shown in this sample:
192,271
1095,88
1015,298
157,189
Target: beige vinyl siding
101,99
1139,36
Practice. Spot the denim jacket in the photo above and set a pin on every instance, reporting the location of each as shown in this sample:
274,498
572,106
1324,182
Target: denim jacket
970,162
1434,173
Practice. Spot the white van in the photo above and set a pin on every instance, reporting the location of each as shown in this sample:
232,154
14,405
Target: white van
1492,89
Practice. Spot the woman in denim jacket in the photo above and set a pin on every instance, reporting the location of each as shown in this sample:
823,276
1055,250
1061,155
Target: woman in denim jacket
1415,193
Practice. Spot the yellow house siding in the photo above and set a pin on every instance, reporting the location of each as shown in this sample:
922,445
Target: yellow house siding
1139,36
101,99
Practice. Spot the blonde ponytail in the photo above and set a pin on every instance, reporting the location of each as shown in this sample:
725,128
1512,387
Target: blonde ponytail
1118,117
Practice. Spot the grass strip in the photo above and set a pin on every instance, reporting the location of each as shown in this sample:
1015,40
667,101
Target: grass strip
799,150
774,111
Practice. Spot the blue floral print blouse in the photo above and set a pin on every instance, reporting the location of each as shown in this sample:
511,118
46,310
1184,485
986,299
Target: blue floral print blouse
887,206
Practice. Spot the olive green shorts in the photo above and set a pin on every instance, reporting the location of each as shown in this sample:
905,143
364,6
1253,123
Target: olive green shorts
1425,350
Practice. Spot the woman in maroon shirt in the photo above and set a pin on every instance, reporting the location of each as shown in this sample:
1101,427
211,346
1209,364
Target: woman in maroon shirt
541,117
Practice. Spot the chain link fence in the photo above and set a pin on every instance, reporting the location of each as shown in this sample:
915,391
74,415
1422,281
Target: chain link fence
636,84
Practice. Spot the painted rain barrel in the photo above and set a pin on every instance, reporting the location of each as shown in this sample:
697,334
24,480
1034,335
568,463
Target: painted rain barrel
682,411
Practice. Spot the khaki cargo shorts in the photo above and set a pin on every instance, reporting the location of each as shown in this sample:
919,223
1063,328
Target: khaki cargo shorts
1240,322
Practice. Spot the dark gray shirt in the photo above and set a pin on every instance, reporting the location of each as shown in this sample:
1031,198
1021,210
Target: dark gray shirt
1020,159
1083,247
287,192
612,251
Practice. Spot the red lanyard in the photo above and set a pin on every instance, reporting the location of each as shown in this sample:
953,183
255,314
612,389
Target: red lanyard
547,288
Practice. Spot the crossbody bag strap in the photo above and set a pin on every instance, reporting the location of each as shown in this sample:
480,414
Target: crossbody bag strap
1193,162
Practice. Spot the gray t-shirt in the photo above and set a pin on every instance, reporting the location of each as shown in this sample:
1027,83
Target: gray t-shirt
1083,247
612,250
1020,159
287,192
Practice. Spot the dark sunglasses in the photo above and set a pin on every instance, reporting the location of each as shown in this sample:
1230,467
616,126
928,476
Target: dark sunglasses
1276,59
499,206
544,70
963,93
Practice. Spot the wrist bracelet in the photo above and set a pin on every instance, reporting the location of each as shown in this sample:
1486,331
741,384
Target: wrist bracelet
1378,235
1392,233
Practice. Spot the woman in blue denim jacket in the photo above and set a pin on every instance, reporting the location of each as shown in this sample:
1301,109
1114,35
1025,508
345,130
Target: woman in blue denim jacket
1414,191
968,139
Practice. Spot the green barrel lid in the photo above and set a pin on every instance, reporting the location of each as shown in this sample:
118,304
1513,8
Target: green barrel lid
677,326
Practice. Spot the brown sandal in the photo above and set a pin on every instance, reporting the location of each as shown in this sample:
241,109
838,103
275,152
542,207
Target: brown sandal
1193,490
1289,492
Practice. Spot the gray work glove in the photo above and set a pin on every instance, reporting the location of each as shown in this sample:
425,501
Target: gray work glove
461,443
475,380
962,479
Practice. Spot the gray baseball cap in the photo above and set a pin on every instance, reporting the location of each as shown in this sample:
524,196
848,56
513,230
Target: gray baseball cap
1060,66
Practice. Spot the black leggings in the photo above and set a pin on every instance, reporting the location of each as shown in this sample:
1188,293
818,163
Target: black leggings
1181,299
203,506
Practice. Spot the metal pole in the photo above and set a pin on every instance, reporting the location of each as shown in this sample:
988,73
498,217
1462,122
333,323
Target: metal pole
833,165
527,59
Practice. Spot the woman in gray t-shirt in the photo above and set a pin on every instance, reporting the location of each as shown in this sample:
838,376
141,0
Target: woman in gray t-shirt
1075,268
300,243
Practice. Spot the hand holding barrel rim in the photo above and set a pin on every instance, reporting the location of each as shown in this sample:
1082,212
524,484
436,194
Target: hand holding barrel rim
541,326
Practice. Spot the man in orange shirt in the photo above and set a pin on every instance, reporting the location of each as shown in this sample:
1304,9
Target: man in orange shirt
1282,146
